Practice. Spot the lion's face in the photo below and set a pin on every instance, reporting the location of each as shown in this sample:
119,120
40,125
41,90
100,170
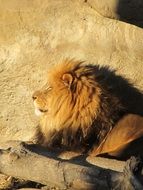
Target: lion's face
70,98
41,100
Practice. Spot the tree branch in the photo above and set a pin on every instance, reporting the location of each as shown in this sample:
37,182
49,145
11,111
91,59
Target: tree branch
34,163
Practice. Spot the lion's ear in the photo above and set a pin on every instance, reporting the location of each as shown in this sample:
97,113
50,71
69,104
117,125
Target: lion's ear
67,79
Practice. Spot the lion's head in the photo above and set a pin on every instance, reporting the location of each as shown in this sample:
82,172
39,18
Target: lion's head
72,104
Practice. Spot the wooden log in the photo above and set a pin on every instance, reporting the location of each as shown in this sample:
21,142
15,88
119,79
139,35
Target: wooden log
31,162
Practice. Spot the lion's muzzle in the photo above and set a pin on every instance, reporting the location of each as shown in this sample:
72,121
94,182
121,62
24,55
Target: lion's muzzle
38,104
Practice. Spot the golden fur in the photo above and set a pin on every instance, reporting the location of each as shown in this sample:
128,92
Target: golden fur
78,106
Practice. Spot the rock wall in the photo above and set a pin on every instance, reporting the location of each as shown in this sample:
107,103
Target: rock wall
125,10
36,34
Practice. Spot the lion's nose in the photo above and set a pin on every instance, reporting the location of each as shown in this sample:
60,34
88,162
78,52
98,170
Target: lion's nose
34,97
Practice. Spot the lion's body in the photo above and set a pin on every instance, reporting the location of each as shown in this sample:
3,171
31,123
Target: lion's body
79,105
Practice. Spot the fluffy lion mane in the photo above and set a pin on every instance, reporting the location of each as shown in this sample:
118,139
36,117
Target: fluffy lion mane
79,105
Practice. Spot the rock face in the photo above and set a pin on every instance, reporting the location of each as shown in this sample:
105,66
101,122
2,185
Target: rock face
36,34
128,11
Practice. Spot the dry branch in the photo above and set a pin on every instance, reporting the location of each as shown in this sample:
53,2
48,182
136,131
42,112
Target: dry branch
33,163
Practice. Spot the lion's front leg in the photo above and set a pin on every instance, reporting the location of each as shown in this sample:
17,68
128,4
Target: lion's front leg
51,139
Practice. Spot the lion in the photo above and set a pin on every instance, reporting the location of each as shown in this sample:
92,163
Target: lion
80,105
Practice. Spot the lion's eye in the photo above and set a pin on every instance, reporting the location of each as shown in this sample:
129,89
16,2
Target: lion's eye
48,88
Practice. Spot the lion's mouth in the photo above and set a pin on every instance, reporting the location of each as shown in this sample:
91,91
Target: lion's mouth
43,110
40,112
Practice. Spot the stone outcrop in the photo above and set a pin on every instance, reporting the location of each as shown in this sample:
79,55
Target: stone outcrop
36,34
124,10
